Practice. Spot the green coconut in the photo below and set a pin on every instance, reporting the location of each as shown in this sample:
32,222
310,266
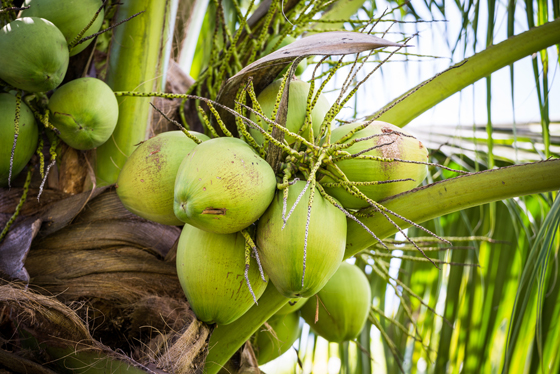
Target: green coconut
286,41
344,306
402,147
292,306
297,103
70,16
26,141
147,179
34,54
272,344
281,250
85,111
223,186
211,269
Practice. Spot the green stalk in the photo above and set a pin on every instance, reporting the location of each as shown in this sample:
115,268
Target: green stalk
476,67
134,65
419,205
226,340
455,194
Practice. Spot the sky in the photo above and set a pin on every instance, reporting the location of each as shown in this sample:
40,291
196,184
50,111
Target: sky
469,106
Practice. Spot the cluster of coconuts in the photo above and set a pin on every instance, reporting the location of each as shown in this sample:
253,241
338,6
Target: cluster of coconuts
226,197
35,54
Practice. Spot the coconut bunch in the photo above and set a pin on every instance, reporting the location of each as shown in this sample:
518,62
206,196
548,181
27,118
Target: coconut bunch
248,220
36,48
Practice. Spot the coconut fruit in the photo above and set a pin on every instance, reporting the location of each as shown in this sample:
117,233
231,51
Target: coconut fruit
211,269
34,54
292,306
401,147
272,344
147,179
297,103
286,41
223,186
85,111
281,250
344,306
70,16
26,141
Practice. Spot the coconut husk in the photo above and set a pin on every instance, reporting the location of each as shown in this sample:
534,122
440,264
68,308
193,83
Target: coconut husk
72,170
43,321
106,267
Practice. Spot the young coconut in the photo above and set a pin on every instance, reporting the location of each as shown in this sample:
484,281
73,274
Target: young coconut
34,54
28,136
344,305
392,142
223,186
297,106
282,249
146,182
210,268
272,344
70,16
85,111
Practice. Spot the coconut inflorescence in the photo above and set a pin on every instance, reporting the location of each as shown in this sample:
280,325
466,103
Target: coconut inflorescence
297,109
27,138
382,141
283,248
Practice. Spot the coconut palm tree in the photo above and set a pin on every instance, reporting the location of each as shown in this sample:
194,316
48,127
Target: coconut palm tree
98,275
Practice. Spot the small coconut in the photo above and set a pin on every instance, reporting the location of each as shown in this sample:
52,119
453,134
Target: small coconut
146,182
70,16
281,250
34,54
223,186
272,344
297,104
85,111
26,141
211,269
402,147
344,305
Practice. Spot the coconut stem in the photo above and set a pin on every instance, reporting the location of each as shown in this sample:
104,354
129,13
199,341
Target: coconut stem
76,40
381,209
249,241
247,262
369,183
52,151
207,123
384,159
348,214
16,135
19,206
39,152
181,127
241,127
